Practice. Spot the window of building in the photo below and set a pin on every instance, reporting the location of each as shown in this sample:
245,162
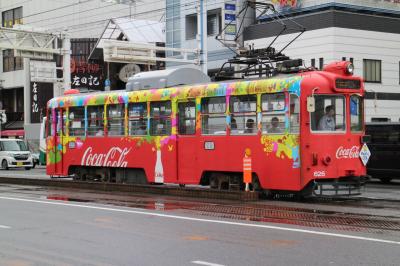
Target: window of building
187,118
372,70
213,118
321,63
160,118
343,58
329,113
294,113
191,27
352,60
10,18
95,117
173,26
273,117
243,114
137,115
76,119
313,62
214,22
115,120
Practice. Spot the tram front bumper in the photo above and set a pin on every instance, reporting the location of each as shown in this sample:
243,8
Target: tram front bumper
340,187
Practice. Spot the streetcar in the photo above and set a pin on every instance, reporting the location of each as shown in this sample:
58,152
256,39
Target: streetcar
304,133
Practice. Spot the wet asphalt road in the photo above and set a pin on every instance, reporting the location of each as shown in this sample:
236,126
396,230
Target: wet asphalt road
44,226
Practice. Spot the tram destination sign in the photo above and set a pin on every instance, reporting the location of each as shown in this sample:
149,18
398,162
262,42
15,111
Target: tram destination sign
348,84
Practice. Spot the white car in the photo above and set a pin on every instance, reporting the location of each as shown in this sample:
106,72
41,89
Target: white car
15,154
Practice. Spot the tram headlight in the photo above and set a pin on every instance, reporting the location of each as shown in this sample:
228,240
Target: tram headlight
350,69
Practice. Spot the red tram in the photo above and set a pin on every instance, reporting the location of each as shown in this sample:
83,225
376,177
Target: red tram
305,133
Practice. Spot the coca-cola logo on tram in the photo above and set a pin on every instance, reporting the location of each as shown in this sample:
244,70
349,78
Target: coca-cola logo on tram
349,153
115,157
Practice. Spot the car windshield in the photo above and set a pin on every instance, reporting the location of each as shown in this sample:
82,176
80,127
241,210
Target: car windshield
14,146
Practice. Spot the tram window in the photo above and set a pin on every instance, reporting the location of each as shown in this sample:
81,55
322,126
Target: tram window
187,118
273,123
243,114
160,118
76,117
137,119
213,118
50,123
356,113
273,102
115,119
95,117
329,113
60,122
294,113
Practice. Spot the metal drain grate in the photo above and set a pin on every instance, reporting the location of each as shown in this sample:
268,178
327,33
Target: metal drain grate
330,220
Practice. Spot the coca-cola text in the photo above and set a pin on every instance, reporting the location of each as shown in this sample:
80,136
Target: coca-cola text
349,153
115,157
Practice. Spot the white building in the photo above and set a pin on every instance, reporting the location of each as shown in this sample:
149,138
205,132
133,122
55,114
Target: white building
182,28
79,19
364,32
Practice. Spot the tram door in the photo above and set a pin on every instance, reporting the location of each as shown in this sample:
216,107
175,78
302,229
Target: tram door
187,143
57,126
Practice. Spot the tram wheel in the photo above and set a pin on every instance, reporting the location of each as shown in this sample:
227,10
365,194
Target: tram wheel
4,165
182,185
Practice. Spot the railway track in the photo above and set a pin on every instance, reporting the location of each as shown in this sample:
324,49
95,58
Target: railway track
279,211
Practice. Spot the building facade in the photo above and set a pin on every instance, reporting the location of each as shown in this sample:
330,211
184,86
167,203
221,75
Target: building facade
84,22
182,28
366,33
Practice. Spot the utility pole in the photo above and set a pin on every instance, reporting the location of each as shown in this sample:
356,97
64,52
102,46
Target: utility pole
66,54
202,34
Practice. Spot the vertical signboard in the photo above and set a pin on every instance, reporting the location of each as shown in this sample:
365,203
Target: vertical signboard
229,20
41,93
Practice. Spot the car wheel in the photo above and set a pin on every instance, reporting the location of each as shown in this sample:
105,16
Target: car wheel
27,168
4,165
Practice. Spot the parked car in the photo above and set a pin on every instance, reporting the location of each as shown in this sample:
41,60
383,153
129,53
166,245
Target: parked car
14,153
385,150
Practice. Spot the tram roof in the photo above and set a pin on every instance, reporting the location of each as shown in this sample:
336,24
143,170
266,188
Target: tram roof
231,87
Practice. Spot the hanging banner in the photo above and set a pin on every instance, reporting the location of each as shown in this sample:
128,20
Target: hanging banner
41,93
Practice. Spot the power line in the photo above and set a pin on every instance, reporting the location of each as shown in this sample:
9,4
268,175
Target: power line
187,6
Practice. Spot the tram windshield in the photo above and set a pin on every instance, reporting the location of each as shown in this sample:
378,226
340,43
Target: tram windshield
356,113
329,113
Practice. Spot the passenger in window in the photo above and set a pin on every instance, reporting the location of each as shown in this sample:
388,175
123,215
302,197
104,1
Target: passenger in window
234,129
100,132
327,122
274,127
141,128
249,126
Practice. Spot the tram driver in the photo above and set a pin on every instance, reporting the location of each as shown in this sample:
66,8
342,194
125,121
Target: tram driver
327,121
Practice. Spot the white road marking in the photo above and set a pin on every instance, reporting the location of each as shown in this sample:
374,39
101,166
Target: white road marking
206,263
208,220
4,227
